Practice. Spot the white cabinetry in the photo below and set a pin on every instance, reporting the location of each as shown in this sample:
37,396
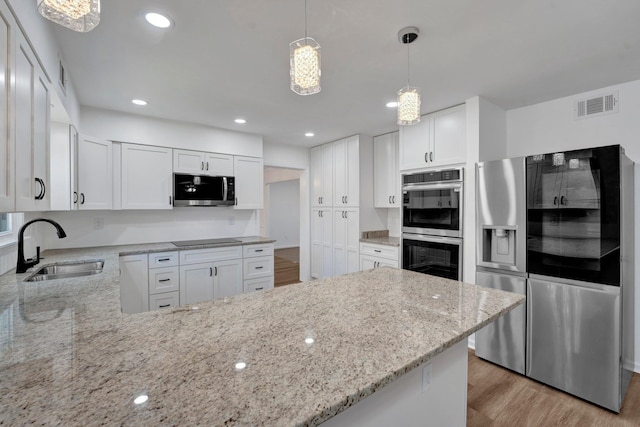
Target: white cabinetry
95,173
346,241
164,280
31,130
374,256
386,185
346,174
322,175
202,163
321,243
134,278
439,139
8,28
146,177
249,175
258,267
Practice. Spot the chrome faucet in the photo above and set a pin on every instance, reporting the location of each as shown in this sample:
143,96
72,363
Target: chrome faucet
23,264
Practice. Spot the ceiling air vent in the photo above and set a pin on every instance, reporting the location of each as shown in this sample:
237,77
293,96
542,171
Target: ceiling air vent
597,106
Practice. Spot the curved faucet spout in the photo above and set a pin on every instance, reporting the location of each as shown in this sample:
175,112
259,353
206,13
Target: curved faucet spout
23,265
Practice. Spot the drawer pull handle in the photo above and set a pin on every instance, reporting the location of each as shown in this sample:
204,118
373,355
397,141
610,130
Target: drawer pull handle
164,280
259,250
164,305
259,289
377,250
259,268
164,259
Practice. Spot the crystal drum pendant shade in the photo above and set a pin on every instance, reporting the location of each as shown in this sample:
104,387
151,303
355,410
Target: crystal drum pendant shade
77,15
304,55
408,106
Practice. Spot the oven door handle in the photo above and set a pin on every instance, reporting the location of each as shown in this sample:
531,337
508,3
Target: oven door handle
444,186
435,239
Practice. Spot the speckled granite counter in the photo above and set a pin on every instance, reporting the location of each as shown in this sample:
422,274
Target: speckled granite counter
386,240
69,356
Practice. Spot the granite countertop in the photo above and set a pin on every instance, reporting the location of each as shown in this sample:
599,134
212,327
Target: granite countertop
386,240
69,356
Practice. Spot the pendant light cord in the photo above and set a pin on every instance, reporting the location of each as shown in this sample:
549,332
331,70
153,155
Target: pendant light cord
305,20
408,66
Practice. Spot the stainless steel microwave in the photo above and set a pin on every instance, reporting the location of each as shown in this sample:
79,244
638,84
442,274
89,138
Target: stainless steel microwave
203,190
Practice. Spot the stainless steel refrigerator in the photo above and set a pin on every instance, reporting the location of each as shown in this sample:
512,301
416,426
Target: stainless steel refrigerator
501,256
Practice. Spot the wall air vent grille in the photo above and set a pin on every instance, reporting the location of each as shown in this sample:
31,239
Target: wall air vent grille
596,106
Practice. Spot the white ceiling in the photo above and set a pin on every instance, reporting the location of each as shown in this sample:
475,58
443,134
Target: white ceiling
230,58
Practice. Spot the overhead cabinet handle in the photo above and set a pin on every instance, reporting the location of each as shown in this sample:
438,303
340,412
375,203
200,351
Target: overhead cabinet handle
82,196
201,166
260,267
75,197
164,280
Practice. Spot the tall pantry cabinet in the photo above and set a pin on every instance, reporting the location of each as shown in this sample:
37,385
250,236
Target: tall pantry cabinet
342,204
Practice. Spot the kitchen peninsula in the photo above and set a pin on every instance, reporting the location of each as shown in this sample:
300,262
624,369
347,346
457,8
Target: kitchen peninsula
296,355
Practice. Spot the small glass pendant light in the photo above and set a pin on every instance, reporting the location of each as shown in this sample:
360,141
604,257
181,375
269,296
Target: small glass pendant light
77,15
408,97
304,62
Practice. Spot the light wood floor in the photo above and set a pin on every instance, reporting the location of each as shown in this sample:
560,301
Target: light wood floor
286,266
499,397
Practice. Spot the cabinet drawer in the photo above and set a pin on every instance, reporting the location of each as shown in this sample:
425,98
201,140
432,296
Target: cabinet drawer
370,262
166,300
258,250
163,259
258,284
197,256
379,251
258,267
166,279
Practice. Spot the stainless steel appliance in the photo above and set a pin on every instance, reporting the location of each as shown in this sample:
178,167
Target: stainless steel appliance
432,222
203,190
501,256
579,256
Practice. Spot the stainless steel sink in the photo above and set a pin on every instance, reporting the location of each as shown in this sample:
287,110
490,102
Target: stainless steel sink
67,270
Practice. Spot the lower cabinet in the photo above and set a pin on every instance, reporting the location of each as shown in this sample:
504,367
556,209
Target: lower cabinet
374,256
346,241
170,279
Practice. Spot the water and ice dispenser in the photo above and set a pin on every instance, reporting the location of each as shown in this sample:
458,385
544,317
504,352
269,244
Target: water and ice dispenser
499,245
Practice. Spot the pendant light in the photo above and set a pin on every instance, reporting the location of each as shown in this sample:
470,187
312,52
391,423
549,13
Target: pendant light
408,97
78,15
304,62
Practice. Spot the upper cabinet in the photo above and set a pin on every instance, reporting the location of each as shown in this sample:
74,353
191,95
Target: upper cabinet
346,174
7,138
146,177
95,173
322,175
249,175
31,130
438,140
386,185
202,163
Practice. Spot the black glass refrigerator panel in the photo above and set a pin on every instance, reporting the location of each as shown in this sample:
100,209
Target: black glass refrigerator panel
432,209
435,258
573,215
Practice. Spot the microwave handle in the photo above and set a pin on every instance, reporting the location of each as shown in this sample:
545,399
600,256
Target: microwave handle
225,188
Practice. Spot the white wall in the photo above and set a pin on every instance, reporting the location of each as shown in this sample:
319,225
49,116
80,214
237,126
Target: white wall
129,227
284,213
123,127
550,126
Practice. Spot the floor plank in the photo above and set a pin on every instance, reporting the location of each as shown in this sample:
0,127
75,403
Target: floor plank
286,266
497,397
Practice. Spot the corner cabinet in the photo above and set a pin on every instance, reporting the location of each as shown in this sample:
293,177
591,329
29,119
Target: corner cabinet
249,174
146,177
439,139
386,185
95,173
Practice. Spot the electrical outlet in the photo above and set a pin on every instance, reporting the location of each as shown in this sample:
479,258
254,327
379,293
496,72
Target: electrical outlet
426,377
98,223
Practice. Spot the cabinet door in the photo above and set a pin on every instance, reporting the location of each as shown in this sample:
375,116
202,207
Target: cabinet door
327,243
367,263
316,176
187,161
254,285
316,243
41,132
327,175
95,173
134,278
449,136
352,219
196,283
385,171
346,241
415,145
7,139
340,180
166,300
227,278
249,175
216,164
165,279
146,177
353,172
60,166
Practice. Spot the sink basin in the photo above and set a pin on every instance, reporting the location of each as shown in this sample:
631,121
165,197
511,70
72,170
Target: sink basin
67,270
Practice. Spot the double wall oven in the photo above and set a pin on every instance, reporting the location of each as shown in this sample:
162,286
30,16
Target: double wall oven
432,222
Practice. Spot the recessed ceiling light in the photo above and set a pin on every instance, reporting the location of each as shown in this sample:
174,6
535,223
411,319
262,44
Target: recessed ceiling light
139,101
240,121
309,134
392,104
158,20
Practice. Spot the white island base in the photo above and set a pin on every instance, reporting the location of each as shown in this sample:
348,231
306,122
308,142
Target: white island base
433,394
